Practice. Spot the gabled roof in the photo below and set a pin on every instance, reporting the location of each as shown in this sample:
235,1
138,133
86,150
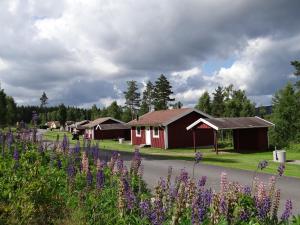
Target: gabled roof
164,117
233,123
79,124
100,121
113,126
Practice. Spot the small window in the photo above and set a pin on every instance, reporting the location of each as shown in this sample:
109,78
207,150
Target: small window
138,131
155,132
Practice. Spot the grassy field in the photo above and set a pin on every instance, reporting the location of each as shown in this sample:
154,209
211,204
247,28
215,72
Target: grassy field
226,157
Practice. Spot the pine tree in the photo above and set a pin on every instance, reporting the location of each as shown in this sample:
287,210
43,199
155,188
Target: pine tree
177,105
62,114
296,64
126,115
114,110
44,100
286,116
94,112
147,101
204,103
11,109
132,97
3,105
162,93
218,104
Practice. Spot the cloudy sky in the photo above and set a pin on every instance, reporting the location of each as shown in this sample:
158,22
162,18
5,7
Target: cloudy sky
81,52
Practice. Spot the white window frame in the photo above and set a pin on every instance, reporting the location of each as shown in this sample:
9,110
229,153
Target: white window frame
155,136
136,132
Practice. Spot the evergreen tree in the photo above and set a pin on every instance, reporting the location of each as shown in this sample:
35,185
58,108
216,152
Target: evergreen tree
204,103
94,112
147,101
11,111
177,105
218,104
126,115
296,64
286,116
114,110
44,100
2,107
162,93
132,97
62,114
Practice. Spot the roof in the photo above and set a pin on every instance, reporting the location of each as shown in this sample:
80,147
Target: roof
233,123
164,117
113,126
79,124
99,121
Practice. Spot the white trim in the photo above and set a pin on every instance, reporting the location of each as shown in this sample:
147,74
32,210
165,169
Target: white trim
131,136
272,124
203,121
148,136
166,137
136,133
93,134
98,127
153,131
186,113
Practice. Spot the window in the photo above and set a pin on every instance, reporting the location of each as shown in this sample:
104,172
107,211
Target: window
138,131
155,132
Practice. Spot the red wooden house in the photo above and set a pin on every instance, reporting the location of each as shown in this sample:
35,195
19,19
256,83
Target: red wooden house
107,128
167,129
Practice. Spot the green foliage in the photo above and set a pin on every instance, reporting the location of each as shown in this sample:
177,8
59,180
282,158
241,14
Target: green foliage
286,116
132,96
62,114
44,100
162,93
3,104
218,104
148,98
11,111
204,103
114,110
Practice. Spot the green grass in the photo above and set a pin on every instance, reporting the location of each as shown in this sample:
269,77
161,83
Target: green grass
226,158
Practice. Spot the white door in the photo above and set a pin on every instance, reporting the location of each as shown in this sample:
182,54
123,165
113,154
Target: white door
148,136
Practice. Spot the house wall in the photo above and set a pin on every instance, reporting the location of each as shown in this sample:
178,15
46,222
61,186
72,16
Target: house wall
111,134
158,142
250,139
138,140
179,137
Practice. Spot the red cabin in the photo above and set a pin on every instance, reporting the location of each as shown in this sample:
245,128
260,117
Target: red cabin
107,128
167,129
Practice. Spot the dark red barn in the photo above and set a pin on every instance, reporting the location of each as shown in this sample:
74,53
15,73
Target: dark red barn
107,128
167,129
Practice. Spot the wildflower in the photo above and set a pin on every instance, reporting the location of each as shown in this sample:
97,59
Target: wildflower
224,182
71,170
223,206
85,162
35,117
202,181
247,190
281,169
262,164
59,165
263,208
184,176
287,211
65,143
16,155
276,203
100,179
244,215
89,178
198,157
145,208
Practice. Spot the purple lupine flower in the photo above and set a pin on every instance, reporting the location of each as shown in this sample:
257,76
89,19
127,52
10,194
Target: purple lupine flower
120,165
41,148
65,143
262,164
157,215
184,176
16,155
100,179
198,157
264,207
59,164
281,169
145,208
244,216
35,117
71,170
130,198
287,210
247,190
89,178
9,139
202,181
223,206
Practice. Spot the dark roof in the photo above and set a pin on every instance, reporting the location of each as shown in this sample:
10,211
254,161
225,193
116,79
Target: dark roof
233,123
113,126
79,124
164,117
99,121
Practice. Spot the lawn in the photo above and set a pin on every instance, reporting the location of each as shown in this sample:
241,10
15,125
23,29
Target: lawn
226,158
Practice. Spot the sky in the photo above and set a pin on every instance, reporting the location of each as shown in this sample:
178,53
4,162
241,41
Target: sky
82,52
